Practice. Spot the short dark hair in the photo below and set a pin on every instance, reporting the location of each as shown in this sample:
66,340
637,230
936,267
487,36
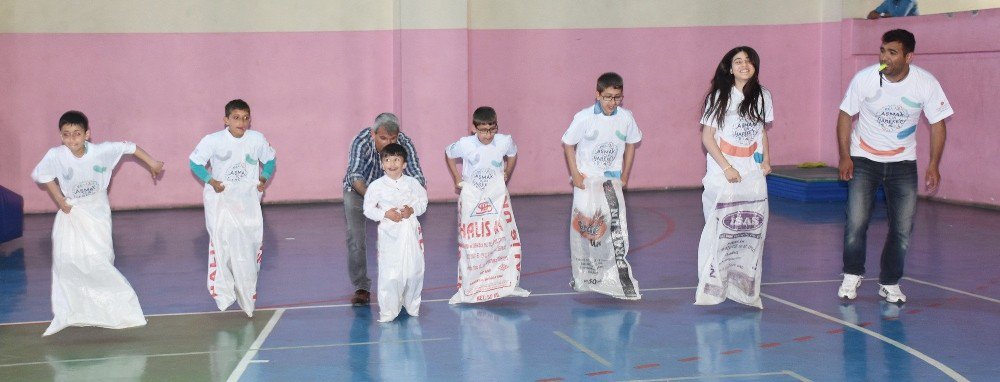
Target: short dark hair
484,115
901,36
610,80
74,117
393,150
236,104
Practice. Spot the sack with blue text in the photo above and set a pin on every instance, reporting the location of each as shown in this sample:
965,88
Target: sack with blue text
733,243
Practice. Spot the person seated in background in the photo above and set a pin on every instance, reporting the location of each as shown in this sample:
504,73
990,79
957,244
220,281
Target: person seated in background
894,8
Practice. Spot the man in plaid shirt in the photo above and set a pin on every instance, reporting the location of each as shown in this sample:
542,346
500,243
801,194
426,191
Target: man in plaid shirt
363,168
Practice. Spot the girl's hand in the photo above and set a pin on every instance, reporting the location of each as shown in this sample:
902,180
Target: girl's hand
732,175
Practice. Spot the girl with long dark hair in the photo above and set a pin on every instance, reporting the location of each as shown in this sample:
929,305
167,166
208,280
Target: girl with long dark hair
736,110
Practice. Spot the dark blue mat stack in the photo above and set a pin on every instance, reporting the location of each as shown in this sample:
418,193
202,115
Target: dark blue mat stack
11,215
818,184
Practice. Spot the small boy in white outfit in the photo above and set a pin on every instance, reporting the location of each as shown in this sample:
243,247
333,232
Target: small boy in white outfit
395,200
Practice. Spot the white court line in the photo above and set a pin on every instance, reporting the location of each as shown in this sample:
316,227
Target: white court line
914,352
252,352
434,300
993,300
218,351
745,375
584,349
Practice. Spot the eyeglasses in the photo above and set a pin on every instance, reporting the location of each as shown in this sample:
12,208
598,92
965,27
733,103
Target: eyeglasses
491,130
617,98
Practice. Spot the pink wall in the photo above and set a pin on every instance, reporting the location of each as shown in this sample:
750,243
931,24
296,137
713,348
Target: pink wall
312,92
537,80
963,52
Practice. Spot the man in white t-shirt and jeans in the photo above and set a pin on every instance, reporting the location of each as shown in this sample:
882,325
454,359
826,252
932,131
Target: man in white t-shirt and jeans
881,150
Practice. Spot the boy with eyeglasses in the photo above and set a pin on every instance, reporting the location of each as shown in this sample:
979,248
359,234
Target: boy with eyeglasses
489,247
600,146
232,194
87,290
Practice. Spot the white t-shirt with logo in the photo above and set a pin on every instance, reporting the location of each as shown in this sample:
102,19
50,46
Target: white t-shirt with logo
887,125
481,163
233,159
600,140
742,138
85,176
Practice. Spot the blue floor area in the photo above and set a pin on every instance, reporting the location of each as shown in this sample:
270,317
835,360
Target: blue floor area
944,331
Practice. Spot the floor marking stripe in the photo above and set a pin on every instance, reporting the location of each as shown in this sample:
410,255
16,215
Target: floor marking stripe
582,348
445,299
217,352
933,362
252,352
993,300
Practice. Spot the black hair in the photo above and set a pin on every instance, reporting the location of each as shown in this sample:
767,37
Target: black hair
717,100
236,104
74,117
610,80
393,150
484,115
901,36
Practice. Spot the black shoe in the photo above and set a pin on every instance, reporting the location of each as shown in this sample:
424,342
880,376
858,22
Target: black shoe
361,298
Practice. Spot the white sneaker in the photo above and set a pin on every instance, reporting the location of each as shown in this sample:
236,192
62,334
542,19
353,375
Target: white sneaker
891,293
849,287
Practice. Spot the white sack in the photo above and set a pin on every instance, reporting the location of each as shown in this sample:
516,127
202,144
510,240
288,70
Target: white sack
87,289
236,232
598,240
732,244
400,267
489,247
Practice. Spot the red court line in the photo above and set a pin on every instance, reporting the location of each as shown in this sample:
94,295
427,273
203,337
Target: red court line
770,345
689,359
647,366
549,380
602,372
803,338
734,351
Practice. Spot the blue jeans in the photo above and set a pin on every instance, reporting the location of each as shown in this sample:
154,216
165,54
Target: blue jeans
899,180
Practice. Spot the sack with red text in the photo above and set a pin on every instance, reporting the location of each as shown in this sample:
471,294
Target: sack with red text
236,233
87,289
598,240
732,243
489,247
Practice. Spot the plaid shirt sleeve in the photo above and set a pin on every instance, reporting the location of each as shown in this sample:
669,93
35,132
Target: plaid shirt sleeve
358,165
413,164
